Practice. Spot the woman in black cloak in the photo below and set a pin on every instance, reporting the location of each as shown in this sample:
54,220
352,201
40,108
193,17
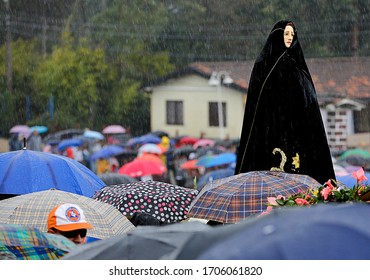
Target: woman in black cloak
282,126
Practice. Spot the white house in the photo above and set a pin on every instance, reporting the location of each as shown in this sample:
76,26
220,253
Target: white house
186,103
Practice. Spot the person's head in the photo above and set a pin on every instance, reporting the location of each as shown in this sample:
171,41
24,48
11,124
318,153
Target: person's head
69,220
288,34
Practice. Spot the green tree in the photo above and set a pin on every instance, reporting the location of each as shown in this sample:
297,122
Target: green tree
25,59
80,81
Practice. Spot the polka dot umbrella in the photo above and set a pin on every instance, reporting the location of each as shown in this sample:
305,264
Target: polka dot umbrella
166,202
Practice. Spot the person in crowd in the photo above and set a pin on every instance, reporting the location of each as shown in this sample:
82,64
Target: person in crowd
14,143
34,141
282,126
69,220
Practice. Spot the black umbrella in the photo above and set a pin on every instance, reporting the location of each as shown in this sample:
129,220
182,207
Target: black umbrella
321,232
144,243
115,179
166,202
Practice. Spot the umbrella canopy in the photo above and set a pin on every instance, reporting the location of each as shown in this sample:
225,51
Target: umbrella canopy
114,129
73,142
358,157
183,150
355,152
189,164
93,134
140,167
214,175
25,130
116,179
221,159
63,134
187,140
145,243
350,181
144,139
150,148
234,198
26,243
168,203
282,234
33,209
40,129
26,171
160,133
107,152
203,143
205,159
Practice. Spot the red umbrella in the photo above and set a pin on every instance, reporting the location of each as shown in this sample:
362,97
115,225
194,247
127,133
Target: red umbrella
142,167
187,140
190,164
203,143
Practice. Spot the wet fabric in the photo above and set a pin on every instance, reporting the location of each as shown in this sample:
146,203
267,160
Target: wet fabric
282,125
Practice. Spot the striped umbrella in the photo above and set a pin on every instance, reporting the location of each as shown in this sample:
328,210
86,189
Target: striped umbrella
234,198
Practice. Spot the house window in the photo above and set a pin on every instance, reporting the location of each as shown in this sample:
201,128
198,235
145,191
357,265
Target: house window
213,114
174,111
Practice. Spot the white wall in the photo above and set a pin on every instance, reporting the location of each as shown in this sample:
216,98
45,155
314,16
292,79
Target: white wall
195,93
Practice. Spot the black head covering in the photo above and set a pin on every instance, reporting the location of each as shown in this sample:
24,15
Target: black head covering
282,113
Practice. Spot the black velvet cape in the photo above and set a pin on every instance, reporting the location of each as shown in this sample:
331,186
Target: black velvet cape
282,112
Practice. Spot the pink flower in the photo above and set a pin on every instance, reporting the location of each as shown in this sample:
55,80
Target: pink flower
301,201
330,184
326,192
359,175
268,210
272,201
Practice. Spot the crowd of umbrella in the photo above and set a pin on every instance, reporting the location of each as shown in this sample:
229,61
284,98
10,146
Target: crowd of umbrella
32,183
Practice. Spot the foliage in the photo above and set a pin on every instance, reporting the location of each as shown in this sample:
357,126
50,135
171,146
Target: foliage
25,59
331,191
115,47
77,79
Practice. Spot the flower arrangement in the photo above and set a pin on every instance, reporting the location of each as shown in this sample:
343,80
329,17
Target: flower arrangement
331,191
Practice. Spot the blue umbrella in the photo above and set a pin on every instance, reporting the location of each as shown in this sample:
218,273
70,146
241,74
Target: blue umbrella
27,171
144,139
351,181
93,134
214,175
73,142
39,128
203,160
221,159
107,152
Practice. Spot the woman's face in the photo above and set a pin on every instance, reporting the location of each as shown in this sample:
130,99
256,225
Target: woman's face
288,35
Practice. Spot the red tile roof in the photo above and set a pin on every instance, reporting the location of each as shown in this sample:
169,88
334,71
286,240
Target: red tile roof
344,77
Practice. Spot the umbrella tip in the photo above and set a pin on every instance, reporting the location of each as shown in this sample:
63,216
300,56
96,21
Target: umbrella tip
24,143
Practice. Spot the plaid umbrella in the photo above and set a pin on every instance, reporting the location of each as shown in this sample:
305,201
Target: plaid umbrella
32,210
26,243
234,198
168,203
